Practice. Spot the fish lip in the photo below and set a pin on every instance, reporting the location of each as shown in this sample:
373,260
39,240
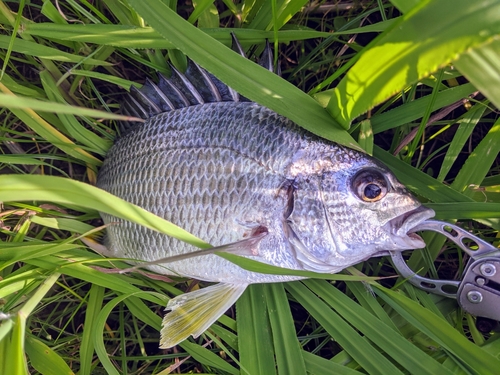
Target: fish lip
403,227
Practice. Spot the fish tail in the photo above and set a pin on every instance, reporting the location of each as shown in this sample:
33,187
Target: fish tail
193,313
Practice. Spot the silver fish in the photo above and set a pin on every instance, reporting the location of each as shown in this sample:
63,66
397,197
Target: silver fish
248,181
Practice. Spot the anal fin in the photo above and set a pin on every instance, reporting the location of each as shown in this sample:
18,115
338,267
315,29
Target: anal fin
193,313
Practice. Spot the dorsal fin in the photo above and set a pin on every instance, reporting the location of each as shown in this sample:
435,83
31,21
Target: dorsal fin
195,86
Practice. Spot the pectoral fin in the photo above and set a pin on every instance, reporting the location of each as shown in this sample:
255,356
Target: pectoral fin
192,313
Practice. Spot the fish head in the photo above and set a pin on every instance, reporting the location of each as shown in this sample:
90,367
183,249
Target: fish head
356,210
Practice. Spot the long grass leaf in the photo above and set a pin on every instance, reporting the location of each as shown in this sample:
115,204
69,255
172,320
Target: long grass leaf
438,329
352,342
465,128
479,161
147,37
320,366
482,67
44,359
286,346
254,332
249,79
384,336
418,181
18,102
208,358
35,49
415,46
56,189
411,111
94,303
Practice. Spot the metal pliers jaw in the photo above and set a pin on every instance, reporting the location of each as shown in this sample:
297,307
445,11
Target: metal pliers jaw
478,292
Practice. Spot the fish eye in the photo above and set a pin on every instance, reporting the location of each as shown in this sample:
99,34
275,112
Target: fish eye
369,185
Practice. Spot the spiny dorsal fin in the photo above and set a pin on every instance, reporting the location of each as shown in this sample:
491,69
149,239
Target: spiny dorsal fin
194,312
194,87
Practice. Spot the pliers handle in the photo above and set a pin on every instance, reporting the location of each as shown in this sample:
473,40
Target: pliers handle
478,292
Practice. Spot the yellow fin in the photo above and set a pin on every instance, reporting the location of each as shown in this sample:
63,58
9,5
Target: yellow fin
192,313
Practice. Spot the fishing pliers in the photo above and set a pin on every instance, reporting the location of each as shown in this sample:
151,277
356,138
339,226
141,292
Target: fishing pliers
478,291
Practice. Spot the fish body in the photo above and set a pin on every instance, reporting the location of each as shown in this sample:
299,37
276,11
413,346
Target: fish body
248,180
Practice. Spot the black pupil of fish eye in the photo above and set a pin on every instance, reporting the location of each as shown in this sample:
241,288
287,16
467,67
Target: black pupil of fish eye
372,191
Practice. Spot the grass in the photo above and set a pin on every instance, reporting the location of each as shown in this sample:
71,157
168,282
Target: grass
413,82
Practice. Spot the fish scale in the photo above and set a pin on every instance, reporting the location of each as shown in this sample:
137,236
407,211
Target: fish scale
239,181
250,182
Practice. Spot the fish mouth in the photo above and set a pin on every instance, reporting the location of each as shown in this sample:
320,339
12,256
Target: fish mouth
402,226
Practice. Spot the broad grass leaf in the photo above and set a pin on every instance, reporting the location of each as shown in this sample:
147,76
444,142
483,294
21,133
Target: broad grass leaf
418,181
98,336
208,358
383,336
286,345
413,110
39,50
256,266
478,361
23,108
465,210
255,340
363,352
146,37
249,79
479,162
72,126
66,191
14,350
44,359
412,48
320,366
63,224
481,66
18,102
465,128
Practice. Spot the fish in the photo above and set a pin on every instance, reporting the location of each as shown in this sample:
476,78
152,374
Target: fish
248,181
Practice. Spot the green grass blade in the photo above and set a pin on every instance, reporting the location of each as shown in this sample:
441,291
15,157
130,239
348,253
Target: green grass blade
415,46
95,300
413,110
465,210
76,130
286,346
254,332
478,361
249,79
353,343
479,161
66,191
418,181
17,102
256,266
317,365
383,336
16,363
44,359
29,48
22,109
464,130
482,67
97,334
208,358
146,37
